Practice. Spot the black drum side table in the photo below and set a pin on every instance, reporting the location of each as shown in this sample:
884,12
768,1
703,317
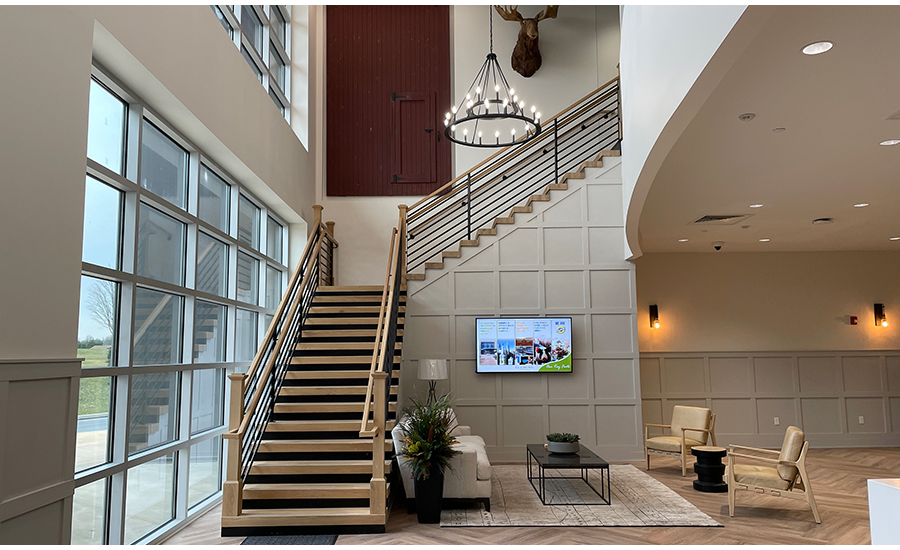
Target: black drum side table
709,469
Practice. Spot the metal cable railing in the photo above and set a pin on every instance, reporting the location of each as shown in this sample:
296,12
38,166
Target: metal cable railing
490,190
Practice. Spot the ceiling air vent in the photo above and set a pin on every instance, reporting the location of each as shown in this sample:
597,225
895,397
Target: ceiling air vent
895,116
722,220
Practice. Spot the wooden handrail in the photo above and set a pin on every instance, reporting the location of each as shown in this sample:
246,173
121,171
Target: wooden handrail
363,429
503,150
271,330
248,413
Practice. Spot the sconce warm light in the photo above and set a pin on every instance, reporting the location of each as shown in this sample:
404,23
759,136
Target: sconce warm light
880,317
654,316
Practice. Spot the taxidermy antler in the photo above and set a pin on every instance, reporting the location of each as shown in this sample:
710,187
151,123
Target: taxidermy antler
526,58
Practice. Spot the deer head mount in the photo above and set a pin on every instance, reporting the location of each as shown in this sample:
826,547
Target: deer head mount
526,57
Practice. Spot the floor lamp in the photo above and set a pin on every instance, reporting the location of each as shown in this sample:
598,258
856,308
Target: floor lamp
432,370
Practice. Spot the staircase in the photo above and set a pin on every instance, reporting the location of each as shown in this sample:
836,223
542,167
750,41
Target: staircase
311,469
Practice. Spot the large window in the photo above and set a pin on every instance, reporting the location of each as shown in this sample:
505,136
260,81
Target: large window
181,265
263,35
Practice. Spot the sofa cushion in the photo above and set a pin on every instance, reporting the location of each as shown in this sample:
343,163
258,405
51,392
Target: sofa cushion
671,444
760,476
476,443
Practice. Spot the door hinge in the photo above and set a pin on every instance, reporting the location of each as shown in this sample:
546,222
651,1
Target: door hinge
395,97
396,178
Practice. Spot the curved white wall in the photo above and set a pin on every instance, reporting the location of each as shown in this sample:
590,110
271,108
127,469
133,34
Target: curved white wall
664,50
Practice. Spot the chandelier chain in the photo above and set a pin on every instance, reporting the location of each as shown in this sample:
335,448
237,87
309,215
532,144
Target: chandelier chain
491,17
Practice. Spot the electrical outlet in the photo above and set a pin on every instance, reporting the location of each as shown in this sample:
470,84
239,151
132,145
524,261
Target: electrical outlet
777,421
862,419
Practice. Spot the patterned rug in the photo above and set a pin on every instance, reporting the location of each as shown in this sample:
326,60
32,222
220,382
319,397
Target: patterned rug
638,500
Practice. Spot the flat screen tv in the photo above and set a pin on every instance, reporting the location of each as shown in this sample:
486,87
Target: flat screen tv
525,344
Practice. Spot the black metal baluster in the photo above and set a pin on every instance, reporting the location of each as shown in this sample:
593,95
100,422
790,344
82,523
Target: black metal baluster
469,203
555,154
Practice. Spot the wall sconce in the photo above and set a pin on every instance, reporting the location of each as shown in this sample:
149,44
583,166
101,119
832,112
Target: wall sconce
880,317
654,316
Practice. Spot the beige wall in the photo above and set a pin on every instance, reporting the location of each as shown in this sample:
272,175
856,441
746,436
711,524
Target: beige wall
181,62
564,259
580,50
760,335
768,301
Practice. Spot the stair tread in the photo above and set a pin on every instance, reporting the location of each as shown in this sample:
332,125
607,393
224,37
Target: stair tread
302,486
314,462
367,443
319,425
324,512
328,374
343,321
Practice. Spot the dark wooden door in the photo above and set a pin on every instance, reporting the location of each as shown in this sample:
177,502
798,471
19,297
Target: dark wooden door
373,54
415,137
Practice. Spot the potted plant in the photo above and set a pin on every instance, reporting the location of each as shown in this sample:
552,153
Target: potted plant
563,443
427,448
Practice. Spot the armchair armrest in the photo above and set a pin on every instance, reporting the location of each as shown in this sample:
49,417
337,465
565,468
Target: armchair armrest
461,430
648,425
761,459
732,446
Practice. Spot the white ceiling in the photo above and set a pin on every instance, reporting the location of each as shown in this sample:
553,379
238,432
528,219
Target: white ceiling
833,107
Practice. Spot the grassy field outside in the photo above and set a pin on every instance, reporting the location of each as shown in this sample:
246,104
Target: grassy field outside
93,396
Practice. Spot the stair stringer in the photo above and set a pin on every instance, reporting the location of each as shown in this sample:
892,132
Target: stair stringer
609,169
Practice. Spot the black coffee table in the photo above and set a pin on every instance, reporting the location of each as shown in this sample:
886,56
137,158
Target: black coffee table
709,469
583,460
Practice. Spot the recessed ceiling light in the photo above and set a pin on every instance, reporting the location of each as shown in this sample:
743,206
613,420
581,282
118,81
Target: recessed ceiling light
861,205
778,130
747,116
821,221
764,240
682,240
895,238
756,206
817,47
890,142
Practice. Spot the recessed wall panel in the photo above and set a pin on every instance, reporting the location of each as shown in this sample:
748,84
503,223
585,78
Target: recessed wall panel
650,376
730,375
651,410
684,375
871,409
611,289
734,416
519,247
564,289
614,379
669,406
519,289
563,246
821,416
774,375
893,372
436,296
484,258
605,204
607,245
427,337
819,374
768,409
474,290
616,425
523,425
895,414
567,210
861,374
611,333
465,335
524,385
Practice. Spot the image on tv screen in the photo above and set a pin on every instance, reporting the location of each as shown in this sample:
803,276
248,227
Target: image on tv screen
536,344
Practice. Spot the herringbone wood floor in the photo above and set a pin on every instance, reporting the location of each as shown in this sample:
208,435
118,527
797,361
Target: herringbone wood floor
838,479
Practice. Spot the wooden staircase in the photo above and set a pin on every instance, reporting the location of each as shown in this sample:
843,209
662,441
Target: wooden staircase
312,470
524,208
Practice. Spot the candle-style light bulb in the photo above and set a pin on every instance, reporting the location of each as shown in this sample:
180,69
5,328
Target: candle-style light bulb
478,90
522,104
533,109
448,115
453,109
511,91
538,115
447,122
515,99
468,96
497,88
453,128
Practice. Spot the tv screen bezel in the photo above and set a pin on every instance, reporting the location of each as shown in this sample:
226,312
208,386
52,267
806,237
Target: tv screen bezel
572,353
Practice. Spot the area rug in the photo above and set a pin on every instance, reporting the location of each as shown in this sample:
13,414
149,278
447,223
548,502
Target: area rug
290,540
638,500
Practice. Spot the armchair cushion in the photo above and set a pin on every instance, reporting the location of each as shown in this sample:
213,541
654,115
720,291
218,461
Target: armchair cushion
760,476
790,450
671,443
690,417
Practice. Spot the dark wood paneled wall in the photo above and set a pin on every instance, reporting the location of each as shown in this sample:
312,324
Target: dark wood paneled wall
374,54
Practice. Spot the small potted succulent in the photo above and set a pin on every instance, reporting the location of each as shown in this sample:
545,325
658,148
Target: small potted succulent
563,443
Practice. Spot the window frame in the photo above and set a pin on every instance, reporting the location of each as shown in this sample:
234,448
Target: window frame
116,469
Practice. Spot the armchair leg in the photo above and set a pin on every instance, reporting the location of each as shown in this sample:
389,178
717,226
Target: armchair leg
731,499
683,464
647,456
810,499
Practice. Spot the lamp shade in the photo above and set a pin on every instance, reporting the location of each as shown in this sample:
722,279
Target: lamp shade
432,369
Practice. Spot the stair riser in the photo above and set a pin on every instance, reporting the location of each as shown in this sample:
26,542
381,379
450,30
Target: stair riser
321,456
361,351
313,382
268,504
326,398
327,416
309,478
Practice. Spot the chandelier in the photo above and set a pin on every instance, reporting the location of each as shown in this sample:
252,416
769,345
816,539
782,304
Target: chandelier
491,114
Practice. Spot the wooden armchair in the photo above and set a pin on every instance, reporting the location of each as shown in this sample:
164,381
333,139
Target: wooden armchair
784,474
690,427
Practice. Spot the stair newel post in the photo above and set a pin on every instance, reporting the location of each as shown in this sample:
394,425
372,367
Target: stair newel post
378,485
232,487
469,204
619,98
555,153
330,226
402,230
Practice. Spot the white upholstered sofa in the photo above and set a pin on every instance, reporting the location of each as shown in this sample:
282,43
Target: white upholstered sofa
469,476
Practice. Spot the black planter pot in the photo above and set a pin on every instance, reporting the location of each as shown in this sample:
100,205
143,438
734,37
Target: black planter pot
429,494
